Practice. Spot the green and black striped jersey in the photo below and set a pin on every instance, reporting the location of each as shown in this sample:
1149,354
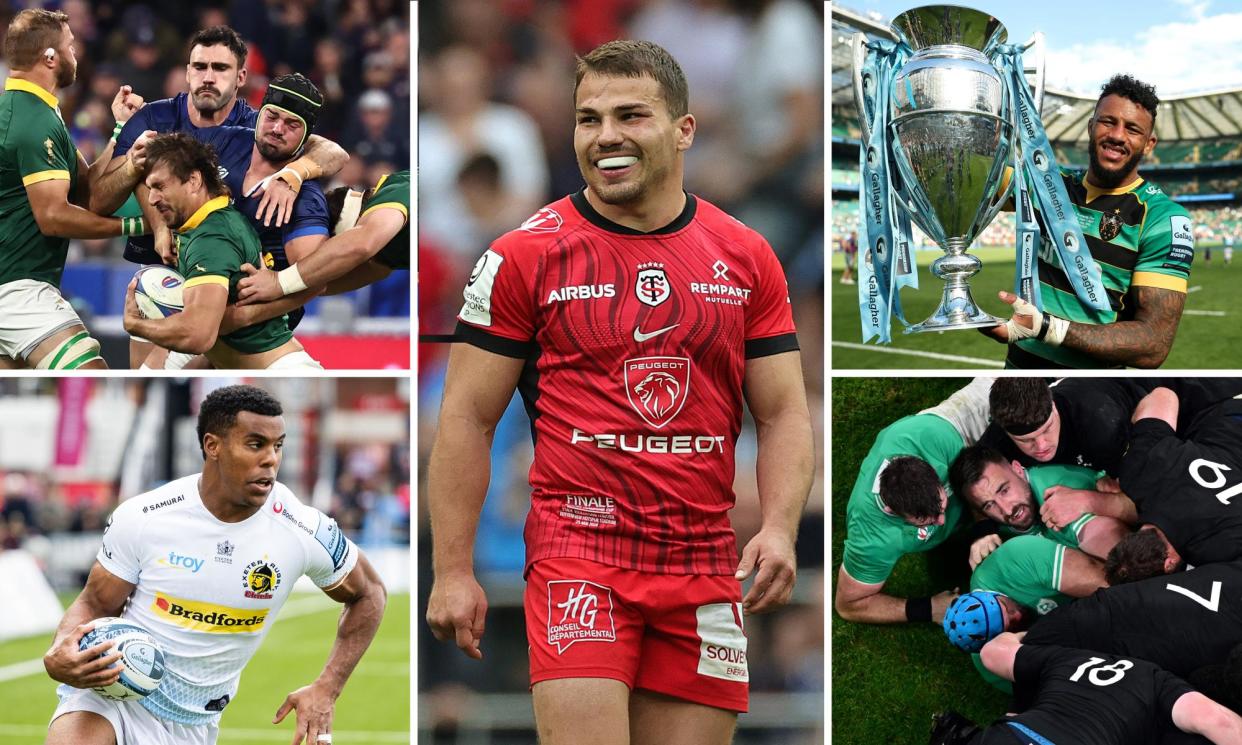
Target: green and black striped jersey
1138,236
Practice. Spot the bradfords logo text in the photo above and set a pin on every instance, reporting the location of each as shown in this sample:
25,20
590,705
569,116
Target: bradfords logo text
215,619
652,284
579,611
657,387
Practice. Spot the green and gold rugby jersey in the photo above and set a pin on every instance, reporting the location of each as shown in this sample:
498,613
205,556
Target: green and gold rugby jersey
1139,237
211,248
34,147
393,190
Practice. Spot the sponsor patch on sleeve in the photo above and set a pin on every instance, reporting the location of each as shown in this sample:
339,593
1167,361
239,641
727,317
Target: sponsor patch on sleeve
1180,234
333,541
478,292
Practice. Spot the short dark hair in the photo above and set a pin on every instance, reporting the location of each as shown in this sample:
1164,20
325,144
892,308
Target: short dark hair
1020,405
213,35
1137,556
30,33
910,488
220,408
1134,89
634,59
968,467
184,155
336,202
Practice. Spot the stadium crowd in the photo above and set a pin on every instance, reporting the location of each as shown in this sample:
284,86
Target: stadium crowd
495,143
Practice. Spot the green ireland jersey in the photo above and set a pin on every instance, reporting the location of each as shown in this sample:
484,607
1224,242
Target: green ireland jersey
875,538
1138,236
1027,569
393,191
211,248
1043,478
34,147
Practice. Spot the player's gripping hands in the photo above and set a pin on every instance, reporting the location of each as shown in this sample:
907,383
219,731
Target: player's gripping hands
66,663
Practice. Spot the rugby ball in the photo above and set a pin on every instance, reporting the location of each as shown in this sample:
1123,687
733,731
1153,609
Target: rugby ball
142,658
158,292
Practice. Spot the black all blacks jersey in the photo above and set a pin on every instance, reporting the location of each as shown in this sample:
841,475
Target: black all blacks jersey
1190,488
1080,697
1180,622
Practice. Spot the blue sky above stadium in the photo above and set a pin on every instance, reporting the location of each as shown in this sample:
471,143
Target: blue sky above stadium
1182,46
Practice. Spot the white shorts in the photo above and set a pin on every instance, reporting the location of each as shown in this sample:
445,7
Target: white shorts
295,361
133,724
967,409
30,312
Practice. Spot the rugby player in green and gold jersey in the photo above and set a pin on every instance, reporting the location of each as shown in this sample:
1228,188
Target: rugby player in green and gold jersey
1140,238
42,182
213,241
370,238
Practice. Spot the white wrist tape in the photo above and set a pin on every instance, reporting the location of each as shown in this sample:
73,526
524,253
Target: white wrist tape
290,280
1046,327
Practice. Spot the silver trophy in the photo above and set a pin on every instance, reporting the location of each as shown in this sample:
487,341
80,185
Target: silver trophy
951,134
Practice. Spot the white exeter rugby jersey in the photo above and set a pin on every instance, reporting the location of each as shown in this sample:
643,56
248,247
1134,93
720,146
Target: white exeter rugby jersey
208,590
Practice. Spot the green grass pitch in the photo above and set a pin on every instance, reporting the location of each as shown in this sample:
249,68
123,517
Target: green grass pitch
1209,336
373,710
887,681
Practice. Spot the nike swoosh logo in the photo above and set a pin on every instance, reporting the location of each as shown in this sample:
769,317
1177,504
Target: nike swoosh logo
639,336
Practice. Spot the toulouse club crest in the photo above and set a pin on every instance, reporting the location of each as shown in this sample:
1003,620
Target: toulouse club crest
657,387
652,284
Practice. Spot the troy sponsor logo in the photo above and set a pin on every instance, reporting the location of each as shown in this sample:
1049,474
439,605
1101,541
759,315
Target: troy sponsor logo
584,610
657,387
544,221
589,511
181,561
581,292
214,619
652,286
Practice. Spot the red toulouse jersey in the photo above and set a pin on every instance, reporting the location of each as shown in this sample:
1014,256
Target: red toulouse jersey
635,347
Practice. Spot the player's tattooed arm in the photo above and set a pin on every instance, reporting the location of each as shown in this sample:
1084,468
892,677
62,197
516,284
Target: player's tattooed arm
327,156
1143,342
104,595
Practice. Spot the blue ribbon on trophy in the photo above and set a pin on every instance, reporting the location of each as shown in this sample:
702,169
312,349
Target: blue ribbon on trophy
944,111
885,228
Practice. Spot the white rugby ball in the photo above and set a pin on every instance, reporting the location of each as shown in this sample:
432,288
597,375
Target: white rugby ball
159,292
141,657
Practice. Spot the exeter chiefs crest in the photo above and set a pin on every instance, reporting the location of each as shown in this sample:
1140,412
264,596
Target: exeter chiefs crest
1110,226
261,578
652,284
657,387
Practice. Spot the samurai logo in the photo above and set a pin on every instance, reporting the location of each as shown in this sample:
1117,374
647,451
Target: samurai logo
657,387
1110,226
652,287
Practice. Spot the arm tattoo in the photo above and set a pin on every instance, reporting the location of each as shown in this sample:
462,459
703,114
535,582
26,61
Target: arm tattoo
1144,341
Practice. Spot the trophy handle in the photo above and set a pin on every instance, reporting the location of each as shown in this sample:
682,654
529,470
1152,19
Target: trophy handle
860,97
1039,67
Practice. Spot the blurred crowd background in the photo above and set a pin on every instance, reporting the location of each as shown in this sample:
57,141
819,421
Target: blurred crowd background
356,51
71,449
495,143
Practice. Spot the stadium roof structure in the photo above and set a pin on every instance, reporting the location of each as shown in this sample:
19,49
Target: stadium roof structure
1210,115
